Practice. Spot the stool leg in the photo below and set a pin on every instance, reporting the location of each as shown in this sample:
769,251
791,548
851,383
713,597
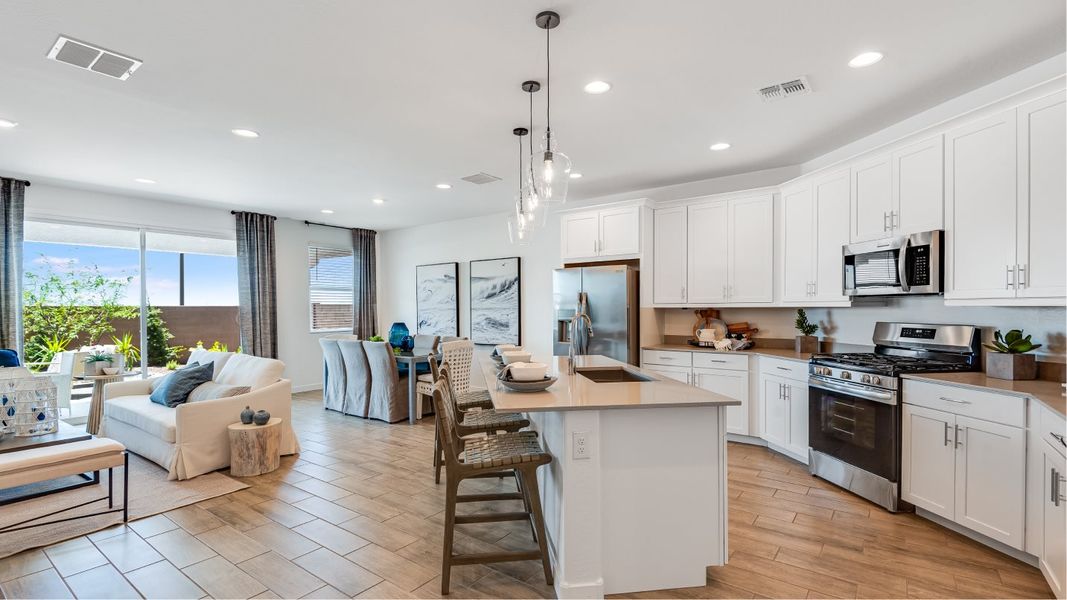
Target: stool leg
450,526
110,486
525,502
529,476
437,449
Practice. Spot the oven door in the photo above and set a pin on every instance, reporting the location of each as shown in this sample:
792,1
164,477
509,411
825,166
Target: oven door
857,424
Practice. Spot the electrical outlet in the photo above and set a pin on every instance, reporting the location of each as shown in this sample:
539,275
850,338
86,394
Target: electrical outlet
580,445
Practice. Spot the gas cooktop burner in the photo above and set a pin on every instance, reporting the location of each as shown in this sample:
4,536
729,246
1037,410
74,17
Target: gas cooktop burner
888,364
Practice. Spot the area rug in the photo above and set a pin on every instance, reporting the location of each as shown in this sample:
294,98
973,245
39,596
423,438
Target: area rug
150,494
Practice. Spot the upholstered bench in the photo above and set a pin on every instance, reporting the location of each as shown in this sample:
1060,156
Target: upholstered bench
34,465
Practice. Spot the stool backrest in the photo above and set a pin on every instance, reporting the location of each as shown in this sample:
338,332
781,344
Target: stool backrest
434,370
459,355
444,404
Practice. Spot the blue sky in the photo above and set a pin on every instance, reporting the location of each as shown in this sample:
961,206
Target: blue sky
209,280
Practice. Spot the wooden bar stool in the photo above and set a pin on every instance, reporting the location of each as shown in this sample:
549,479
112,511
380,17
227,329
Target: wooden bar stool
515,453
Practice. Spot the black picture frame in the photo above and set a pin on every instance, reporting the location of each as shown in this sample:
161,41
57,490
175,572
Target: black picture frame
496,307
433,319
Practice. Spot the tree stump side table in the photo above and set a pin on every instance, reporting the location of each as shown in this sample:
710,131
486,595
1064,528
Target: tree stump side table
255,449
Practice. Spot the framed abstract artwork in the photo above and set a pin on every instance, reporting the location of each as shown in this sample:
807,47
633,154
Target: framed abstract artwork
437,299
496,301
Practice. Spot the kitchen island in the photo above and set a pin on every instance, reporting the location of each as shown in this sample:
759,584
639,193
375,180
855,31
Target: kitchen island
635,498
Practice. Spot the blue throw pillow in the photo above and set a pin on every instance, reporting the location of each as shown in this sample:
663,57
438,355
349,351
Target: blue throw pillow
8,358
175,389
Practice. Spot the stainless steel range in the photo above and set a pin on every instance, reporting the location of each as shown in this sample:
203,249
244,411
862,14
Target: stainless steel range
854,406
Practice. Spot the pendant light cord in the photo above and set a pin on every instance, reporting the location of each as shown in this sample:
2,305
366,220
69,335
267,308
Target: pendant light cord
548,85
531,129
521,205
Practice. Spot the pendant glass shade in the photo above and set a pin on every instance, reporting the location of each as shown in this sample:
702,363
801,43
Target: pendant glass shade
550,172
520,227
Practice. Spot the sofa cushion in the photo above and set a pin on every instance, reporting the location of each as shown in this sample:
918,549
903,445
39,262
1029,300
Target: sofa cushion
253,371
200,355
175,388
213,391
140,412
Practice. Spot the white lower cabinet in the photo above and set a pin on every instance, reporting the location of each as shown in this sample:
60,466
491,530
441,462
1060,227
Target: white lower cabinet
965,469
784,412
683,374
1046,496
725,374
733,384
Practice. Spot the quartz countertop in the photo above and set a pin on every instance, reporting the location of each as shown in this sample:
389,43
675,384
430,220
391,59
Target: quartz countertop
786,353
577,392
1048,393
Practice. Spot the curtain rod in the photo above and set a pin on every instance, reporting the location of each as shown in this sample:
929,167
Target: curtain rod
28,184
326,225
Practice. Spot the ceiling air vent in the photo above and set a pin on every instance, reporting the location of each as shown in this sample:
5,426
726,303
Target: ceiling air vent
93,58
481,178
795,87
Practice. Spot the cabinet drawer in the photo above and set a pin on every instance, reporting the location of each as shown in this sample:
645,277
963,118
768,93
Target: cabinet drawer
790,369
667,357
714,360
1049,423
989,406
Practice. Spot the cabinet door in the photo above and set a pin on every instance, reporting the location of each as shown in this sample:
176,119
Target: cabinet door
669,258
1053,553
919,187
620,231
733,384
1042,256
796,396
774,410
798,243
980,191
832,202
681,374
707,253
578,234
928,460
990,479
872,199
750,276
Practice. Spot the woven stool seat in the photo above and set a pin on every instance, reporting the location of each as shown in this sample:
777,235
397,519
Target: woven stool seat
504,450
490,420
474,399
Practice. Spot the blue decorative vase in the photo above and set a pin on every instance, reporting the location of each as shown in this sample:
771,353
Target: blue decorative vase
397,333
407,344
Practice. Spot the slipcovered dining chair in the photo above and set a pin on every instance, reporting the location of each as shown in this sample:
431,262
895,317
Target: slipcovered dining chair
388,399
333,375
357,378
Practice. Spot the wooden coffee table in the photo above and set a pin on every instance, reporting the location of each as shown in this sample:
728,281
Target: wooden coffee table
96,405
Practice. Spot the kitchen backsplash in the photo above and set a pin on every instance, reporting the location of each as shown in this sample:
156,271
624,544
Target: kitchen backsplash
853,325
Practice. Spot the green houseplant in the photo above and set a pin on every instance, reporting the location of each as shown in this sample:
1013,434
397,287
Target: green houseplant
806,342
1009,358
96,362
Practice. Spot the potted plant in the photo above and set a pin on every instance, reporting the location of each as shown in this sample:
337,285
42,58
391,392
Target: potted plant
96,362
807,343
1009,358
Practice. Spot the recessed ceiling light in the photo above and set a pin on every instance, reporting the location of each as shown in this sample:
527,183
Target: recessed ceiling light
245,133
444,186
326,211
6,124
720,146
865,59
378,200
143,180
576,175
597,87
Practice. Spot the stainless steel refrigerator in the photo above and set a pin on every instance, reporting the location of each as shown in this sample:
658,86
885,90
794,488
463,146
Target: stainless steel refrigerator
611,300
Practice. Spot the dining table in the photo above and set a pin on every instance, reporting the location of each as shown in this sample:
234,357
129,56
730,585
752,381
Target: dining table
413,358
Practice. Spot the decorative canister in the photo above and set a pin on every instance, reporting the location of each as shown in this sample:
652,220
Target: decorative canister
261,417
397,332
407,344
27,404
246,415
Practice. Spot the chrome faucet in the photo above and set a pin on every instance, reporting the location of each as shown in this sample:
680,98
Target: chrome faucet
580,316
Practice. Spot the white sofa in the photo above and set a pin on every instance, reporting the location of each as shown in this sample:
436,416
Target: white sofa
191,439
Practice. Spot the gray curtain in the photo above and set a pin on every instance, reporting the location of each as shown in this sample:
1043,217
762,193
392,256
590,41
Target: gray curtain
365,286
12,207
257,284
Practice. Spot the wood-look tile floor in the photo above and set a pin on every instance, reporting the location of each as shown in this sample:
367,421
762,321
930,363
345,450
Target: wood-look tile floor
356,514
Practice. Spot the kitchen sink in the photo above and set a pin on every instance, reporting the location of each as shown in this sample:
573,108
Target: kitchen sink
612,375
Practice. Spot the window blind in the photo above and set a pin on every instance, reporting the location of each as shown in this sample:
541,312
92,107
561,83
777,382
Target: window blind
330,288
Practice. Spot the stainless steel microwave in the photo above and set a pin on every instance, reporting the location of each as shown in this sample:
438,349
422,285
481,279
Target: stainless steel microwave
906,264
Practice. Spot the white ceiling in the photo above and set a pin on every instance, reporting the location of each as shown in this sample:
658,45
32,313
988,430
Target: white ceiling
362,99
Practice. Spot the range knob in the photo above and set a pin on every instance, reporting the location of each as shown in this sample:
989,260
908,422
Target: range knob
866,379
825,370
846,375
876,380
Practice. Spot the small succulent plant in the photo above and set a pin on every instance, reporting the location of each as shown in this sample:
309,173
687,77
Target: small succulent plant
98,357
1012,343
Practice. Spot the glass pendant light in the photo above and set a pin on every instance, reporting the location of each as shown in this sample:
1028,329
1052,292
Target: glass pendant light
550,168
522,221
534,205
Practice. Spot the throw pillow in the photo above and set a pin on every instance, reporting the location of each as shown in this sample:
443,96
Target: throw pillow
175,388
215,391
8,358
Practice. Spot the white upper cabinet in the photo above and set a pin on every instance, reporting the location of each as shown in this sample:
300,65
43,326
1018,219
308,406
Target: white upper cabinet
598,234
798,243
669,256
707,252
1041,254
872,199
918,187
751,250
980,204
832,195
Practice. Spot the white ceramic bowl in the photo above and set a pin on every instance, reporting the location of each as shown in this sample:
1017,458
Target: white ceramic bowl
515,356
528,371
111,370
505,348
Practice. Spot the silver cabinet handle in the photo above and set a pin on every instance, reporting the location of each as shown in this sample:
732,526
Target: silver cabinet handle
815,288
781,392
724,290
1022,275
716,360
946,434
947,399
894,220
783,368
959,442
1053,483
885,221
1059,437
1009,278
